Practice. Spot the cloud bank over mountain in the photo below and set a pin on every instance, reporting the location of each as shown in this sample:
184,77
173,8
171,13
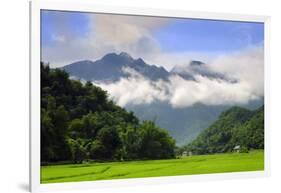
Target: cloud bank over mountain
245,67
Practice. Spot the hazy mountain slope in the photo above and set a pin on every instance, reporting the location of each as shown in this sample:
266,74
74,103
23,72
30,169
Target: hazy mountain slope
184,124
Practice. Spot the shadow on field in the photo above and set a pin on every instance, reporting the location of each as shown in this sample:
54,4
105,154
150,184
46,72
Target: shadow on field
79,175
24,187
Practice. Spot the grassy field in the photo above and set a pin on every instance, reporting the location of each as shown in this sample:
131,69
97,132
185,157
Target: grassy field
201,164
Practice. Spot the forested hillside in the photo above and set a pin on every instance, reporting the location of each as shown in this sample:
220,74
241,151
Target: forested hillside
79,122
235,127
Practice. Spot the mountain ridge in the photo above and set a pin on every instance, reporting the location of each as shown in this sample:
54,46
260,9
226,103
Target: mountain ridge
109,68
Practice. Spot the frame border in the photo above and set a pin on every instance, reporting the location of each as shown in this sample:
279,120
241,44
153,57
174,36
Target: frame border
34,98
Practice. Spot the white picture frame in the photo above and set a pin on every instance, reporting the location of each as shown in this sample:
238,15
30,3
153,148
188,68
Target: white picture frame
36,6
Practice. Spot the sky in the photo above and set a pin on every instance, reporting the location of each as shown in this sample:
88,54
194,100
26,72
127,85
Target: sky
234,49
71,36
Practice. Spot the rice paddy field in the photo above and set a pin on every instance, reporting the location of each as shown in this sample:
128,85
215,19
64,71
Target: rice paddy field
197,164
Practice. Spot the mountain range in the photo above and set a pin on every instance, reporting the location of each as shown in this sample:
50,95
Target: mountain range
110,68
184,124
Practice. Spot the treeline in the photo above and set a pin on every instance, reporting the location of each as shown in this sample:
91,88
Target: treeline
79,122
236,127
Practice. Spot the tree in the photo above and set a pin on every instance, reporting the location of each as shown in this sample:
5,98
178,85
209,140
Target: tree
97,150
155,142
109,138
130,137
76,128
47,134
78,150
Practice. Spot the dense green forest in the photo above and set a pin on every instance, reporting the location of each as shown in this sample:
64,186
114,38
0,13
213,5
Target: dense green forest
79,122
235,127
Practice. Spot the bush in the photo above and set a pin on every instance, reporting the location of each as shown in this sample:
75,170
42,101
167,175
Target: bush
244,150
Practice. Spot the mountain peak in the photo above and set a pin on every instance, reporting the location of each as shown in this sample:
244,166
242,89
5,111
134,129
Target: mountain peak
196,63
109,55
140,61
183,68
125,55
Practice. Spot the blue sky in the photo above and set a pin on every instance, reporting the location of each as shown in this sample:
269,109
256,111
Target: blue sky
178,35
68,36
77,24
208,35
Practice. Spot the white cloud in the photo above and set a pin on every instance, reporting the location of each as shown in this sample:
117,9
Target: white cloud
135,89
107,33
208,91
58,38
245,67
